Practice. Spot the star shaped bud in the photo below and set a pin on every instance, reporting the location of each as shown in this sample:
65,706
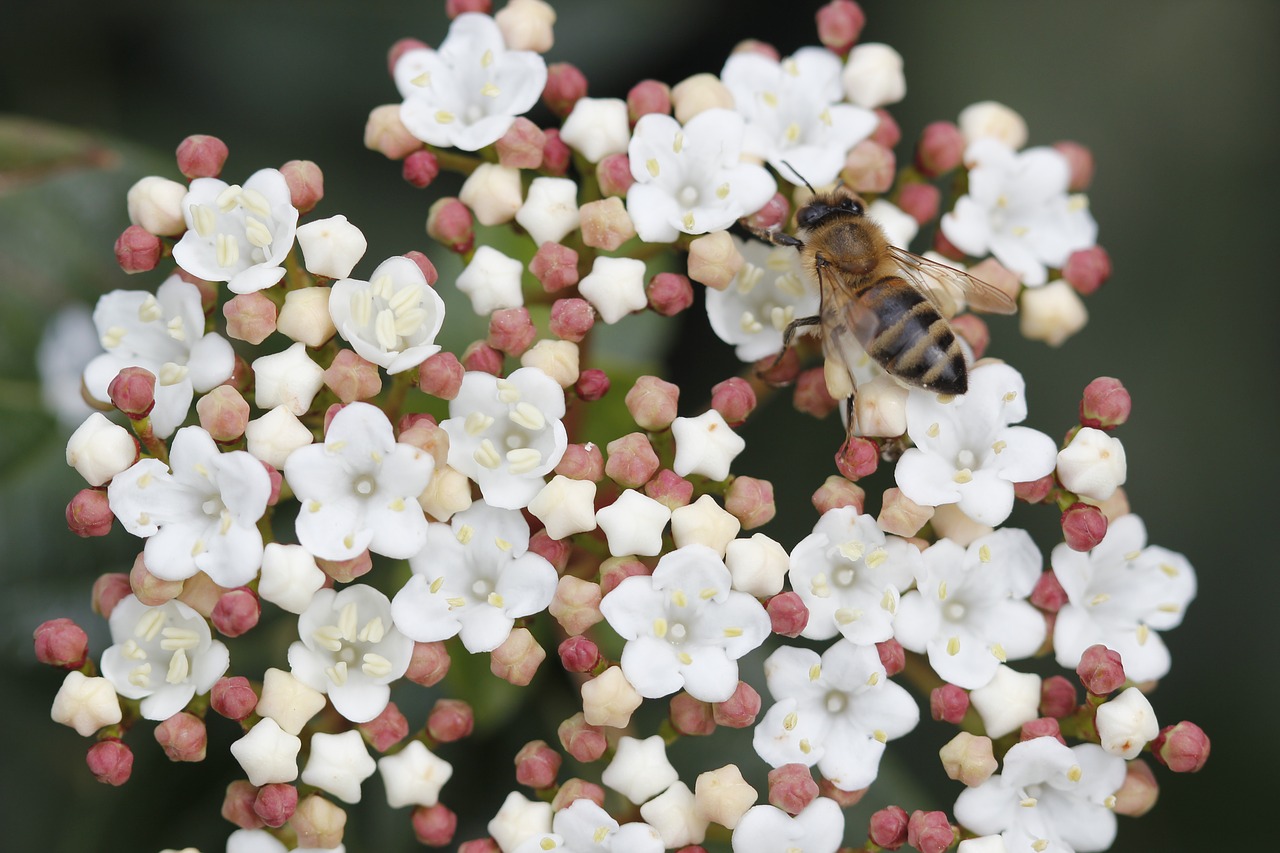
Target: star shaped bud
474,577
290,577
691,179
288,701
615,287
817,829
199,513
1093,464
304,317
1127,723
705,445
873,76
493,193
1008,700
165,334
414,776
565,506
758,565
766,294
633,524
359,489
350,650
518,820
597,127
289,378
640,769
331,247
723,796
391,320
467,93
609,699
275,435
162,655
492,281
793,118
100,449
674,815
550,210
506,434
238,234
339,764
684,626
704,522
85,704
268,753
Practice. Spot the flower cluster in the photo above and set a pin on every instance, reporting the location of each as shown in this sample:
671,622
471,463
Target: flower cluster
401,504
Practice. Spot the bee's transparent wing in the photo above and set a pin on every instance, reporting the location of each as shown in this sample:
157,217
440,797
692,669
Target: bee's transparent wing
948,288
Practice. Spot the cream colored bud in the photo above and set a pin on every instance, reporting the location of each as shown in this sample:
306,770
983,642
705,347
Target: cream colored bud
704,522
757,565
722,796
1127,723
85,704
968,758
305,316
992,119
873,76
609,699
331,247
385,133
155,203
1008,701
714,260
902,516
880,407
557,359
527,25
950,522
275,435
1051,313
1093,465
697,93
318,823
449,492
493,193
288,701
100,449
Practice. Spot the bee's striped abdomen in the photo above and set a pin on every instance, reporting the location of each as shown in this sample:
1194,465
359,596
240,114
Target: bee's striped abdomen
907,336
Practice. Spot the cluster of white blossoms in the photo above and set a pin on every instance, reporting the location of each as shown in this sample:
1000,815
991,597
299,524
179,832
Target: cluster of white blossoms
297,442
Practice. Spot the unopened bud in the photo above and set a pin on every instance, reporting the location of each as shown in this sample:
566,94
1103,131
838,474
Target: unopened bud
648,96
1057,697
584,742
537,765
62,643
969,759
554,266
434,826
930,832
613,174
892,656
750,500
888,827
691,716
811,395
948,703
592,384
605,224
275,803
1083,526
108,589
201,156
734,399
555,154
920,201
652,403
137,250
429,664
714,260
182,737
740,710
1106,404
479,356
450,223
236,612
238,802
318,822
233,697
1087,269
518,658
836,492
857,457
306,183
579,654
1080,161
1139,791
669,489
840,22
869,167
669,293
110,762
941,149
89,513
1100,669
565,85
1183,747
521,146
1042,727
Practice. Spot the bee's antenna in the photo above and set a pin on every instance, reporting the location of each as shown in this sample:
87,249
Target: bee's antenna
800,176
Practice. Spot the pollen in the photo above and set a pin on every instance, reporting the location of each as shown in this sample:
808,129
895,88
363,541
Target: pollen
337,673
436,585
953,646
933,430
942,591
659,627
486,59
708,593
1100,598
846,615
373,631
652,166
998,652
792,133
805,746
790,721
1075,774
396,505
422,80
722,191
687,220
770,99
257,233
494,600
229,198
528,416
1169,571
477,423
732,633
984,554
465,532
523,460
203,219
815,672
547,843
964,475
113,337
444,117
503,545
1010,396
508,393
876,558
486,455
677,144
999,446
880,735
226,250
176,329
684,658
825,117
1028,803
851,550
750,324
489,90
1144,634
678,598
1040,845
149,625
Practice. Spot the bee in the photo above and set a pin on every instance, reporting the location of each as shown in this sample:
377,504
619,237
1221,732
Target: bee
879,299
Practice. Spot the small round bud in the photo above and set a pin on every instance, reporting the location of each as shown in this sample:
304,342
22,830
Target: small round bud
1100,669
421,168
887,132
577,789
511,331
1041,727
756,46
554,266
352,378
224,413
613,173
1048,593
275,803
1034,491
237,805
592,384
582,462
61,642
454,8
1087,269
1080,161
691,716
648,96
930,832
1083,526
750,500
993,119
920,201
450,223
1139,791
941,149
669,489
441,375
888,827
306,183
201,156
387,729
137,250
89,513
734,399
518,658
133,391
788,614
108,589
1182,747
840,22
579,654
479,845
565,85
968,758
652,403
974,331
100,449
318,822
233,697
811,395
605,224
386,134
434,826
714,260
182,737
151,590
251,317
631,460
669,293
555,154
450,720
792,788
892,656
857,457
740,710
1106,404
948,703
869,167
345,571
481,357
583,741
537,765
836,492
900,515
236,612
1052,313
1057,697
155,204
429,664
701,92
779,371
521,146
110,762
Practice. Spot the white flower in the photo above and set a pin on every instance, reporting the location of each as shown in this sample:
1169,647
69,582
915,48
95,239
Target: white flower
1017,208
468,92
819,828
705,445
850,576
391,320
290,577
359,489
492,281
994,120
1127,723
584,827
969,608
1120,594
792,112
268,754
640,769
506,434
1093,464
492,192
275,435
236,234
873,76
414,776
982,844
350,650
684,626
155,203
1006,702
164,334
899,226
474,577
1048,798
67,345
674,815
288,378
615,287
597,127
966,450
837,712
565,506
331,247
633,524
86,704
338,764
691,179
287,700
758,565
766,294
100,449
162,655
518,820
550,210
202,517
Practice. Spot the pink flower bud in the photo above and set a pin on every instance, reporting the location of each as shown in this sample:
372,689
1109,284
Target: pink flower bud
428,269
450,223
973,329
110,762
352,378
1080,161
555,154
555,267
224,414
948,703
888,827
1106,404
137,250
251,317
1083,526
236,612
237,805
387,729
648,96
565,85
89,513
583,741
857,457
1139,791
1100,669
1048,593
887,132
61,642
420,168
400,48
837,492
441,375
840,22
940,149
133,391
579,654
345,571
930,832
434,826
1087,269
202,156
605,224
592,384
518,658
275,803
750,501
182,737
429,664
631,460
811,395
1057,697
1042,727
479,845
892,656
454,8
691,716
613,173
669,489
521,146
844,799
537,765
946,248
450,720
582,462
1034,491
920,201
233,697
787,614
511,331
482,357
652,403
276,479
792,788
669,293
151,590
869,167
740,710
555,551
779,371
306,183
108,589
734,399
577,789
756,46
1182,747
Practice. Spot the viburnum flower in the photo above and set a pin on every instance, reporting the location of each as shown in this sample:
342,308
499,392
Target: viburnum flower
359,489
162,655
1049,797
267,753
793,114
851,575
350,650
414,776
1120,594
769,292
969,609
391,320
1017,209
705,445
819,828
837,712
474,577
684,626
640,768
506,434
966,450
690,179
238,234
492,281
339,764
163,333
467,93
200,517
262,841
584,827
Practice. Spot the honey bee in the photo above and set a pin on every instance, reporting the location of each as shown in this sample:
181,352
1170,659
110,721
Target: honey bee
879,299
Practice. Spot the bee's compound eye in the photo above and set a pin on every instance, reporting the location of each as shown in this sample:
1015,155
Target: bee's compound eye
812,213
853,206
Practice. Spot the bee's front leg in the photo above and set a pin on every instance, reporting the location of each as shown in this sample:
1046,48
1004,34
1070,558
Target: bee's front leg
772,237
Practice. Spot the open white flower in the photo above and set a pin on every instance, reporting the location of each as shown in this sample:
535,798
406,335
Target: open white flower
769,292
766,829
391,320
584,827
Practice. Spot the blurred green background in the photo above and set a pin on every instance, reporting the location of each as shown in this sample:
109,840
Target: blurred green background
1176,99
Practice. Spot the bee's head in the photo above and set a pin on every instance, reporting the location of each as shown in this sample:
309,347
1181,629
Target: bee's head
829,206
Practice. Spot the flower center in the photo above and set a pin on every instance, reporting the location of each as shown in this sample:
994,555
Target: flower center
844,576
953,611
364,484
677,632
836,702
965,459
687,196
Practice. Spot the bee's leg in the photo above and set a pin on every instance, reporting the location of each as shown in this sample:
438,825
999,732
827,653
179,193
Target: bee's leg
848,412
772,237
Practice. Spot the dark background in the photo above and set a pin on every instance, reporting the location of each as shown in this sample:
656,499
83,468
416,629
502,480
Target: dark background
1176,100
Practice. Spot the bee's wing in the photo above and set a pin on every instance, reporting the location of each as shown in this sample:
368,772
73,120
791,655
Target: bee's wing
942,285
